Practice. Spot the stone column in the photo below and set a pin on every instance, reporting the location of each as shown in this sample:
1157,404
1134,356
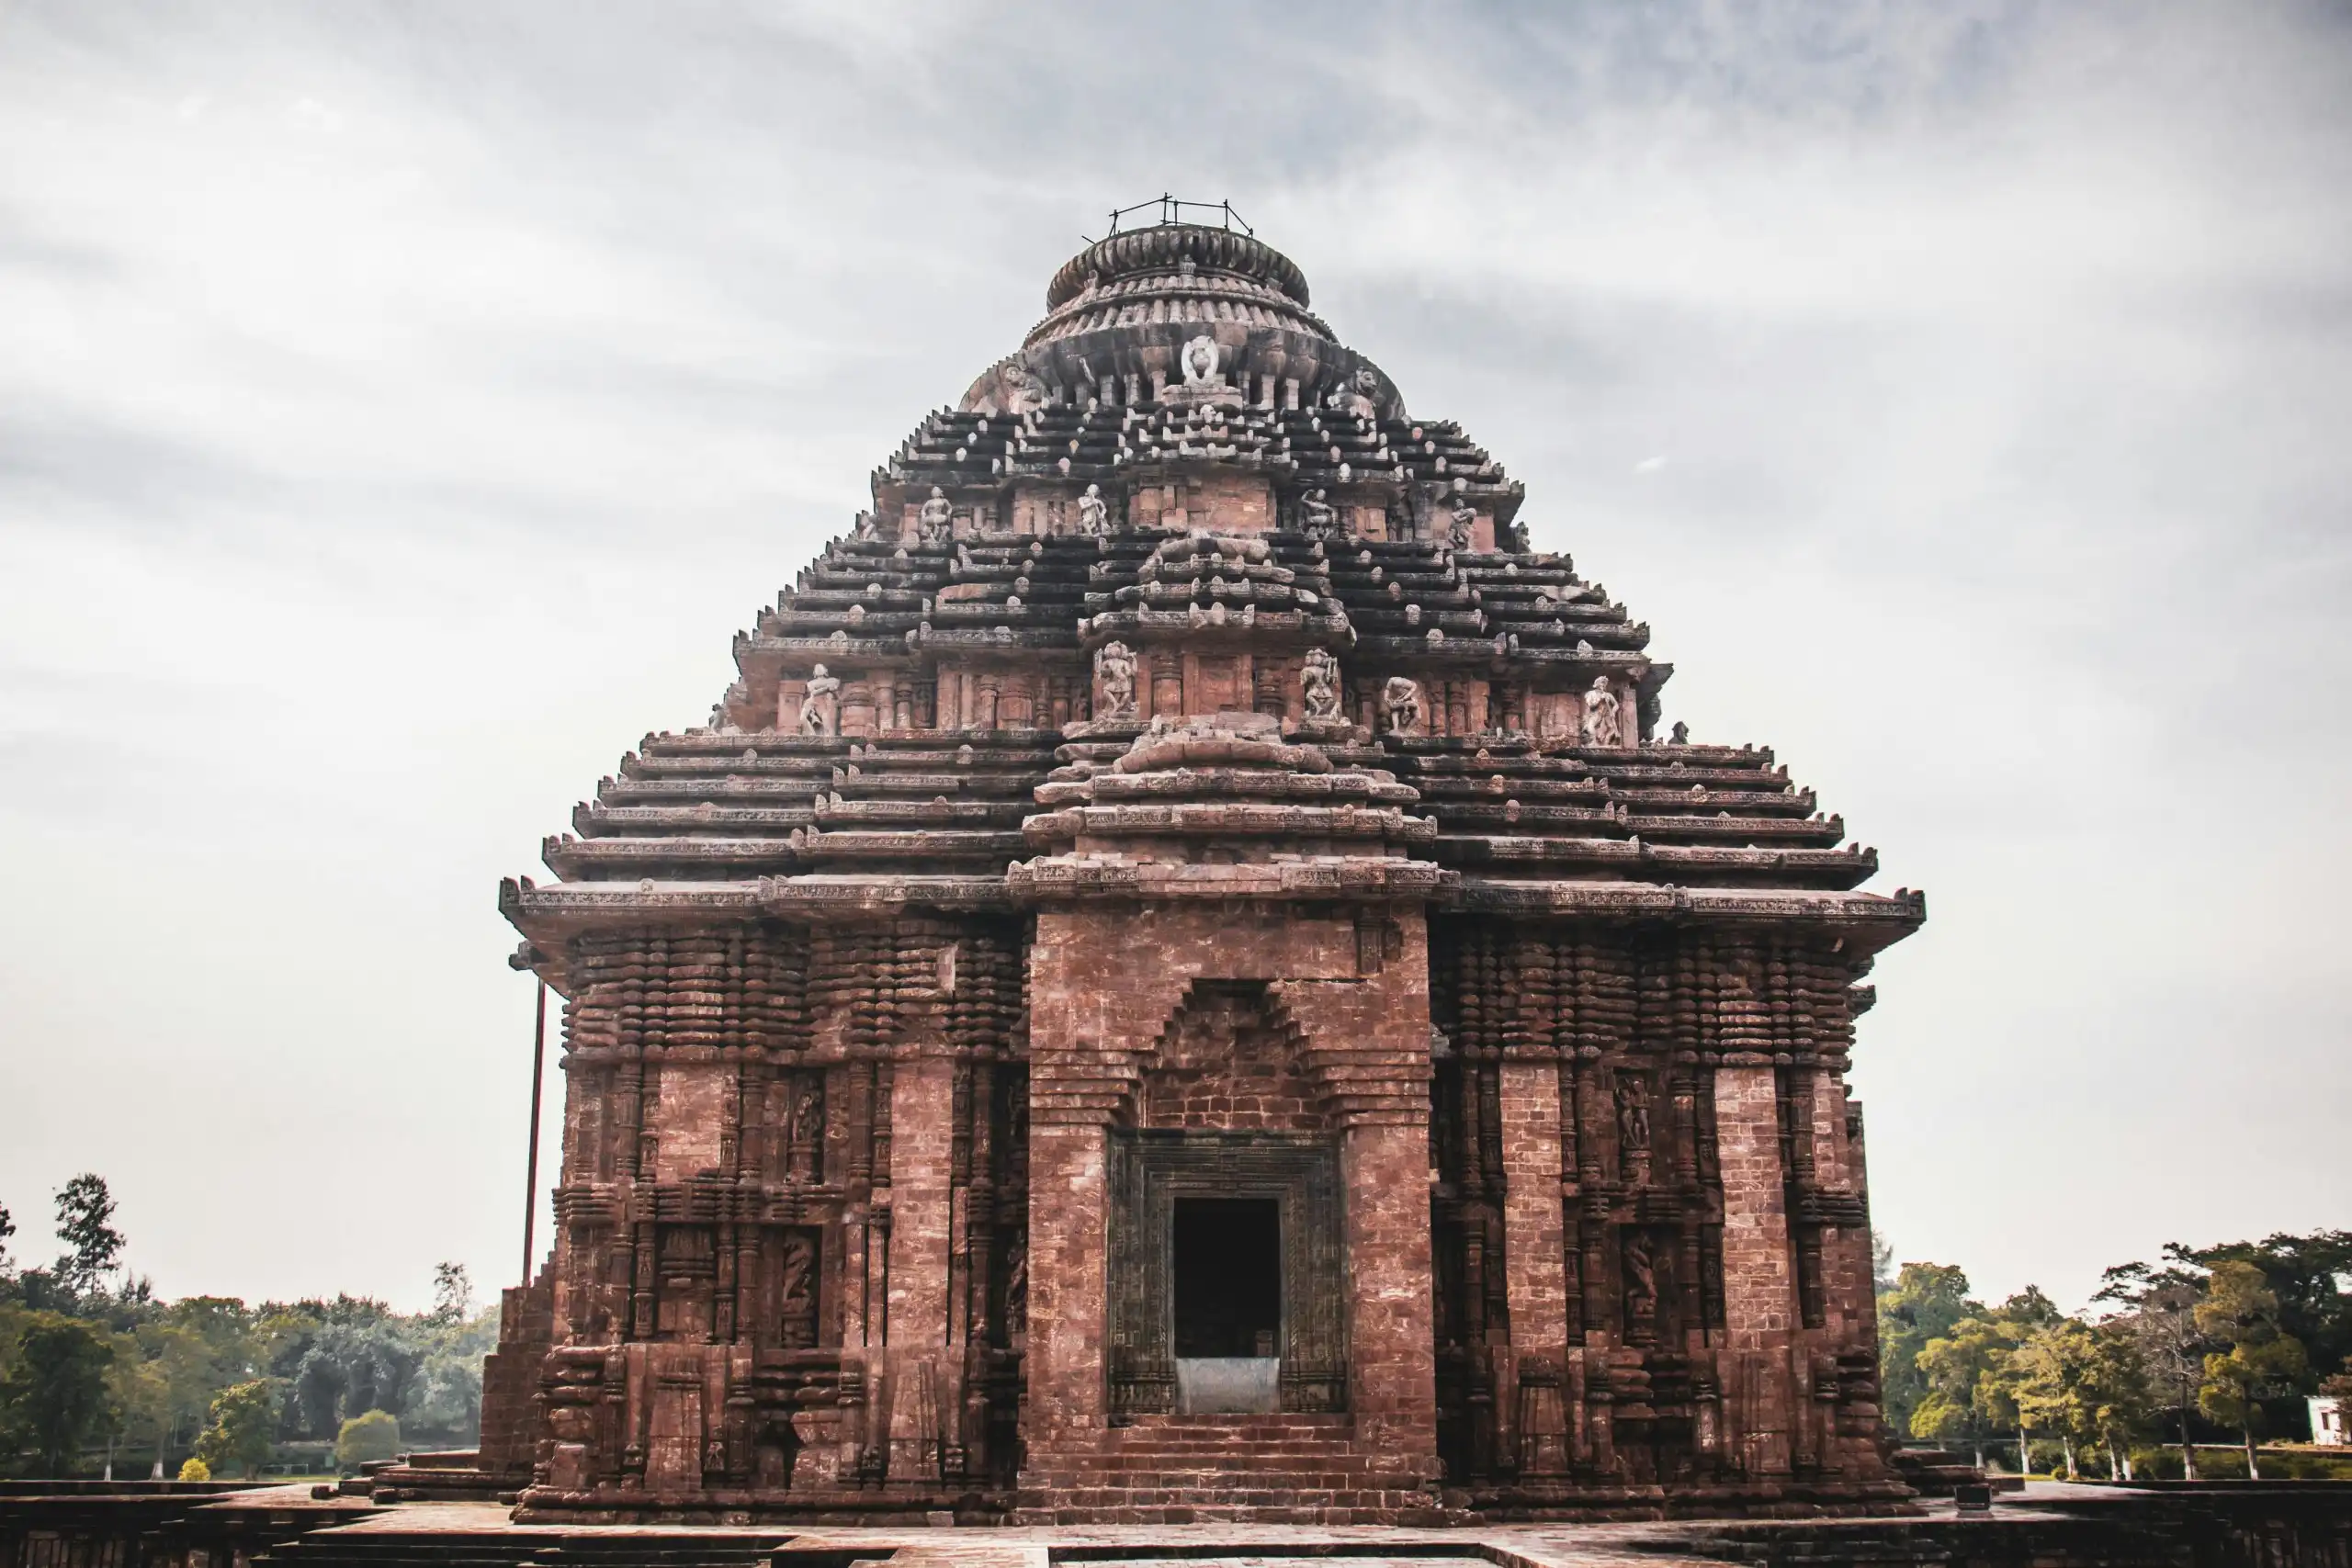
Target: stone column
1392,1351
1535,1233
1068,1238
922,1132
1759,1283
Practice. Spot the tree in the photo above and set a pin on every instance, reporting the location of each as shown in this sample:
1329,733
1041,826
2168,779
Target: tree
53,1400
2087,1385
364,1439
2241,1310
2122,1400
1966,1395
1927,1300
2050,1370
341,1358
453,1294
243,1418
85,1224
2308,1274
2160,1314
8,1229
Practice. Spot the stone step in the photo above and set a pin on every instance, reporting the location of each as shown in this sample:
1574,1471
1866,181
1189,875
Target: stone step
1233,1490
1162,1479
1413,1508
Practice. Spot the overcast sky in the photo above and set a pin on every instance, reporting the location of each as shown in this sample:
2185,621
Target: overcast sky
400,406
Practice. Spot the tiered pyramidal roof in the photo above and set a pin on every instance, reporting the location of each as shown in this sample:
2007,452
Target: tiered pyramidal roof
1183,498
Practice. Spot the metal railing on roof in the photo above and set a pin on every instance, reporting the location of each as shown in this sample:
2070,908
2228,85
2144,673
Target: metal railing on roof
1172,210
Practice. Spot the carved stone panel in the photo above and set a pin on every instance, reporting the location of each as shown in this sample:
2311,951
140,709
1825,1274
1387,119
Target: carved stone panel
1149,1170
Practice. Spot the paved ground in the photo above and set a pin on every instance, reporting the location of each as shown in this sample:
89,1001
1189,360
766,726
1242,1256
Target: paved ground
1178,1546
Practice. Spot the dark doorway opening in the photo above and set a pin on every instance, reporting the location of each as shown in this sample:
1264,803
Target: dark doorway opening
1228,1276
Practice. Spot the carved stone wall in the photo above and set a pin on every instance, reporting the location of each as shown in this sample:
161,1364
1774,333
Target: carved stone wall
791,1216
1651,1251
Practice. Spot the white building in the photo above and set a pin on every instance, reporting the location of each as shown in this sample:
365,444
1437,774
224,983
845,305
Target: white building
2327,1421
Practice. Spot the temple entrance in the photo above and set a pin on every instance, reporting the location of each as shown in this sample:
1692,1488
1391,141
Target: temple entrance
1228,1276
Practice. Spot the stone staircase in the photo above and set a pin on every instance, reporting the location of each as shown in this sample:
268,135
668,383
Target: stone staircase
1287,1468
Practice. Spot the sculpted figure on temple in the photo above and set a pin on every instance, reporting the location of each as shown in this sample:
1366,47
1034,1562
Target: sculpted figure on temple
867,529
806,1132
1465,518
820,710
1604,725
1681,733
1641,1281
1400,703
1200,363
799,1303
1320,682
1318,518
1016,1288
1093,511
936,519
722,720
1114,667
1632,1131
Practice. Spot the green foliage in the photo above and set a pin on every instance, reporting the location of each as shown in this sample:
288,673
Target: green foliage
2085,1385
2305,1275
1927,1301
85,1223
453,1294
54,1395
2261,1360
373,1436
2229,1464
238,1438
8,1229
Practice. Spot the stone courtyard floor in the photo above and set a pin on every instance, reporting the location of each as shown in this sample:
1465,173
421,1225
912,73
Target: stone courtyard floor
1177,1546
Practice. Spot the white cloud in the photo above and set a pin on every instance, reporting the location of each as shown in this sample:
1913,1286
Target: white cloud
399,409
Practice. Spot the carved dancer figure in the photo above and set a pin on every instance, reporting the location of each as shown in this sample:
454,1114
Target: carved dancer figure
1400,701
1465,518
1632,1131
1114,668
820,710
1093,511
936,519
1641,1281
1603,724
1320,680
1681,733
806,1132
1016,1287
800,1302
1318,518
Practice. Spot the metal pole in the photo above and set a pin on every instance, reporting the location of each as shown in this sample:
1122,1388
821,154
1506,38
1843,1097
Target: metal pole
531,1162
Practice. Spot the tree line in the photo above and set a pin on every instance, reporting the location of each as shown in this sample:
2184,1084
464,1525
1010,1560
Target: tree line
2218,1342
98,1374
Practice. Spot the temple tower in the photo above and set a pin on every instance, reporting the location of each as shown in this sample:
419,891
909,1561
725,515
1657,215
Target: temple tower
1183,980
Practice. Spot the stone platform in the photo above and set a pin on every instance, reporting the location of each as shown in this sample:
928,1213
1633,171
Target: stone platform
2213,1524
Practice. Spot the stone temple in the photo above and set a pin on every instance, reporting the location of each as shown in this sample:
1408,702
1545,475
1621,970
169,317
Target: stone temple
1187,979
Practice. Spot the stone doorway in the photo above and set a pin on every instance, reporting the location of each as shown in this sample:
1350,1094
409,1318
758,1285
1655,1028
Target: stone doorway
1227,1305
1228,1276
1226,1246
